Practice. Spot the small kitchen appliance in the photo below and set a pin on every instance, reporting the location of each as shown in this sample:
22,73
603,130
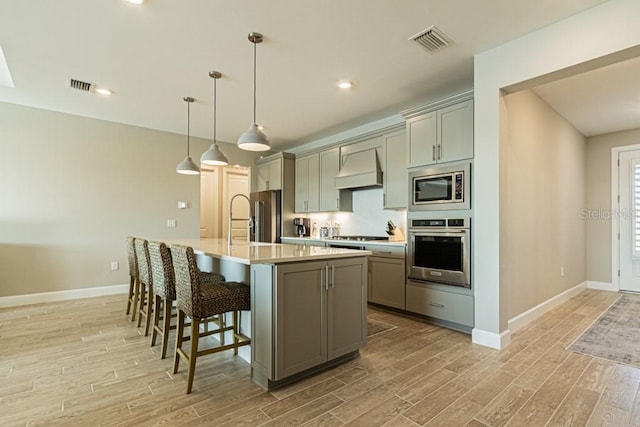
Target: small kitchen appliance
441,187
303,227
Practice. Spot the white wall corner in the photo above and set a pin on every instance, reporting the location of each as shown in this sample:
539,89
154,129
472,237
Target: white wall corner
518,322
602,286
13,301
491,339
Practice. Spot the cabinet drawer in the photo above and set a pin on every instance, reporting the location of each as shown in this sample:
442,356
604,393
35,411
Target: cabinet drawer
386,250
448,306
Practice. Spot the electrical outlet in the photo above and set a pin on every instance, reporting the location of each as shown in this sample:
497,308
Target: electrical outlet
182,205
114,265
562,271
172,223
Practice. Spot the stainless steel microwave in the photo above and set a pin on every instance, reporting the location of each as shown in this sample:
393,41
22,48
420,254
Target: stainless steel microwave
440,187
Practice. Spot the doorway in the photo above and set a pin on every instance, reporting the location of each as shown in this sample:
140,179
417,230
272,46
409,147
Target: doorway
217,186
628,214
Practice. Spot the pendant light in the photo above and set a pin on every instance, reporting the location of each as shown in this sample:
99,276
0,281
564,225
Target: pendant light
187,167
213,156
254,139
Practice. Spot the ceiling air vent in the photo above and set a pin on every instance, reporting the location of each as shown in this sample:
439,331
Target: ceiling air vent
432,39
80,85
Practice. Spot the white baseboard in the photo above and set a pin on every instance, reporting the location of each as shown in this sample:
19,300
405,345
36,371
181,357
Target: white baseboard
491,339
532,314
17,300
603,286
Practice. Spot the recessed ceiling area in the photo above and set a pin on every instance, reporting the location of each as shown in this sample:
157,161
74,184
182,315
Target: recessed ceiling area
601,101
154,54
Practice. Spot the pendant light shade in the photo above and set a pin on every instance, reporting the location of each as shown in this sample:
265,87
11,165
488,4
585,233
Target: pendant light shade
214,156
254,139
187,166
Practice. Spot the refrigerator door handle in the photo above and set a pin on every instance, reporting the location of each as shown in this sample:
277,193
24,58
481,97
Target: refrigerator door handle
258,221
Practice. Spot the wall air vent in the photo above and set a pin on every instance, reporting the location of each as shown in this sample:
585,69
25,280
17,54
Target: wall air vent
80,85
432,39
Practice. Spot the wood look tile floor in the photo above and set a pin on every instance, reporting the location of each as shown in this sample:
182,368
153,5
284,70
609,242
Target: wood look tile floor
83,363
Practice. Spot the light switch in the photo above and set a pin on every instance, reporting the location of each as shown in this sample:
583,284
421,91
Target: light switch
182,205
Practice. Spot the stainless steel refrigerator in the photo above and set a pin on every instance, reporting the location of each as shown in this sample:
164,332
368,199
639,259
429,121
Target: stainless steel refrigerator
266,216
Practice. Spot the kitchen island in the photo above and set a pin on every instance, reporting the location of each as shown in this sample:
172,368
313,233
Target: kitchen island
308,304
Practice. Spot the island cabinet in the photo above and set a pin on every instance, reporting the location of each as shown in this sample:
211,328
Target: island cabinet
442,135
307,185
306,315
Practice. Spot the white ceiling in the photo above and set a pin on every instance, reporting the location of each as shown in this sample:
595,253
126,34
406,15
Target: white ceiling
153,55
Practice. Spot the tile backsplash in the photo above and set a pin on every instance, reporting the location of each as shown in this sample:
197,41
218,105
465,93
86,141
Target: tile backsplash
368,217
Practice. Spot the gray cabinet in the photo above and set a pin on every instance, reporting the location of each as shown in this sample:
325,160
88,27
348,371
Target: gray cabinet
443,135
307,185
268,173
450,306
320,313
387,276
332,200
395,178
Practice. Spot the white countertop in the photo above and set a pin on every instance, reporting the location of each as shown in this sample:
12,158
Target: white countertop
355,242
264,253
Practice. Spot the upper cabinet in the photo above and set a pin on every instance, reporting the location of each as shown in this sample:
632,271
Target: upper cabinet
268,173
332,200
440,135
307,198
395,176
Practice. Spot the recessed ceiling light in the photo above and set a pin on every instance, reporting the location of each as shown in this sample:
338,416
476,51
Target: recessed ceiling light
135,1
103,91
344,84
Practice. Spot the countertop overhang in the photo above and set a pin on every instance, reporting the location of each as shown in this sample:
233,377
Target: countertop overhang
249,253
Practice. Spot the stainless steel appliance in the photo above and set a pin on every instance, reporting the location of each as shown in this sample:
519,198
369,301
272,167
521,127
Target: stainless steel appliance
440,187
303,227
265,223
440,251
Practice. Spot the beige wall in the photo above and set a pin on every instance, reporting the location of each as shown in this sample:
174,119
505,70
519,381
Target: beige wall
598,196
73,188
541,198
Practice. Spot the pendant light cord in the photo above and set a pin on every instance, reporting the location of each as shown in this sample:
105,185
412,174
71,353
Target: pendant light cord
214,110
254,82
188,125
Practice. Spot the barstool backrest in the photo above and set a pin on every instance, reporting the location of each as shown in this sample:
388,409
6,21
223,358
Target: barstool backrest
187,280
162,270
144,267
131,255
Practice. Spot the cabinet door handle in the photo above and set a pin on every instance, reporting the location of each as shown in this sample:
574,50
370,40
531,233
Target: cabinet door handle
338,203
433,153
333,276
384,199
436,305
439,151
267,184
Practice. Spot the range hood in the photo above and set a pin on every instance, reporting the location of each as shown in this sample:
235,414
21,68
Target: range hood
359,169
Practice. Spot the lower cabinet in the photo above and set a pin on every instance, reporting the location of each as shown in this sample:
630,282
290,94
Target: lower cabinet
316,312
387,277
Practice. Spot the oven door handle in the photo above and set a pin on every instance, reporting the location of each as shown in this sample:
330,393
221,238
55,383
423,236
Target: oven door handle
422,232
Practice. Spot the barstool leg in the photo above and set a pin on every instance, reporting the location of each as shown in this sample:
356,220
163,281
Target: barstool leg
136,294
132,284
193,356
143,296
166,322
156,319
149,312
236,331
179,335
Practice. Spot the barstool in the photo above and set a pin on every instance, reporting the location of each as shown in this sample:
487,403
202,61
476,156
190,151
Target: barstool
199,301
164,290
146,283
134,282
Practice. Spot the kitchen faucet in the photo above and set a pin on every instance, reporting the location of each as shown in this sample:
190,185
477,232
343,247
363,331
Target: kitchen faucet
231,218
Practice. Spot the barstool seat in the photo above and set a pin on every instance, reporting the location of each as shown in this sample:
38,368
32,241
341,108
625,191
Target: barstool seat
200,301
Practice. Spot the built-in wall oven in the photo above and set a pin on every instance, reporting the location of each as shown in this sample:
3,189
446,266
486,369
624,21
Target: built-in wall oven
440,250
